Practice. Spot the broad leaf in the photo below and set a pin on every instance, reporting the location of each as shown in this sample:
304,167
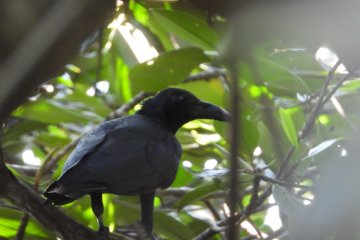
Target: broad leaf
188,27
199,192
167,69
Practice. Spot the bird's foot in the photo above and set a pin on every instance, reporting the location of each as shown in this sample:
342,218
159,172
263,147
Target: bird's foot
152,236
104,232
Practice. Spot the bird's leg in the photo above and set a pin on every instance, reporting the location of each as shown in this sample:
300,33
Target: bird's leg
98,209
147,207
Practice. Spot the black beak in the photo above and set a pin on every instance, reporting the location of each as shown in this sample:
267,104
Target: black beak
204,110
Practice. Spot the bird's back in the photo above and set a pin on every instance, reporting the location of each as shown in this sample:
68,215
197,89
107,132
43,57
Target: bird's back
126,156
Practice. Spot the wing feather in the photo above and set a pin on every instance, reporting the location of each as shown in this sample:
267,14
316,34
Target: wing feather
128,156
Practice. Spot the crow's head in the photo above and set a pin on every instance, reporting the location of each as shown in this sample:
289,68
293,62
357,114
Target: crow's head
175,107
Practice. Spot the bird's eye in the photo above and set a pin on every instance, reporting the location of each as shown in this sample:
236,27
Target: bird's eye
179,98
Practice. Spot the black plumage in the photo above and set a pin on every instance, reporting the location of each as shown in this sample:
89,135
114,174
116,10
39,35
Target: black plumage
133,155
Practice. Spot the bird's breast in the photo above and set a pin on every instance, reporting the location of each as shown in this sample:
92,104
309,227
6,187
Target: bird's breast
163,155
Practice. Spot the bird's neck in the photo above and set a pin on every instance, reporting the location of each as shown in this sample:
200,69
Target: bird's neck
172,124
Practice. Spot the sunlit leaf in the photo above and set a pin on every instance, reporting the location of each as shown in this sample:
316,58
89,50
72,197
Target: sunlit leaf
183,178
123,49
350,86
10,222
188,27
288,125
210,91
321,147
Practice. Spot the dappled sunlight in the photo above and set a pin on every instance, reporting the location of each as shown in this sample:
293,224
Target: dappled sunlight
328,59
29,157
135,38
272,218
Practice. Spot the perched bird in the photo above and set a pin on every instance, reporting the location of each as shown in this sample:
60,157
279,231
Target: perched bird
132,155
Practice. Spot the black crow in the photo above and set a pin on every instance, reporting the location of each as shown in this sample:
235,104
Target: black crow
132,155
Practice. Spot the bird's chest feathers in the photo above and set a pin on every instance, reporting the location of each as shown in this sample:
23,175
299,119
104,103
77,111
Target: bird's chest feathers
163,154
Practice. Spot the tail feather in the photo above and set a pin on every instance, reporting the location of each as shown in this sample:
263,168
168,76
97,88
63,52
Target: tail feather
54,195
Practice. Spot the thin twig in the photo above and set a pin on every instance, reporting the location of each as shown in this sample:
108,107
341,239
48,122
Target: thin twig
336,87
38,176
286,161
121,111
99,59
279,182
222,225
212,210
233,229
326,98
205,75
2,161
255,192
323,98
43,168
319,104
258,232
21,230
53,161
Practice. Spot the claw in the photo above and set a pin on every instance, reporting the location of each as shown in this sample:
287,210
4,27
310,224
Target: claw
104,232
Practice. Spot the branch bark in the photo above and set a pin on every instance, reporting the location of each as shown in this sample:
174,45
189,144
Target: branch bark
233,230
43,51
48,215
39,55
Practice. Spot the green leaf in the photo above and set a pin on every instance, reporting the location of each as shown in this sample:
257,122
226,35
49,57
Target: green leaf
280,80
52,111
303,64
187,27
19,128
51,141
321,147
317,154
195,224
167,69
183,177
298,61
141,13
350,86
171,227
119,82
8,227
210,91
10,222
84,102
288,125
249,139
198,193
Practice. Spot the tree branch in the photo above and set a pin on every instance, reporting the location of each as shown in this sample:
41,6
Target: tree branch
48,215
30,64
47,47
232,233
